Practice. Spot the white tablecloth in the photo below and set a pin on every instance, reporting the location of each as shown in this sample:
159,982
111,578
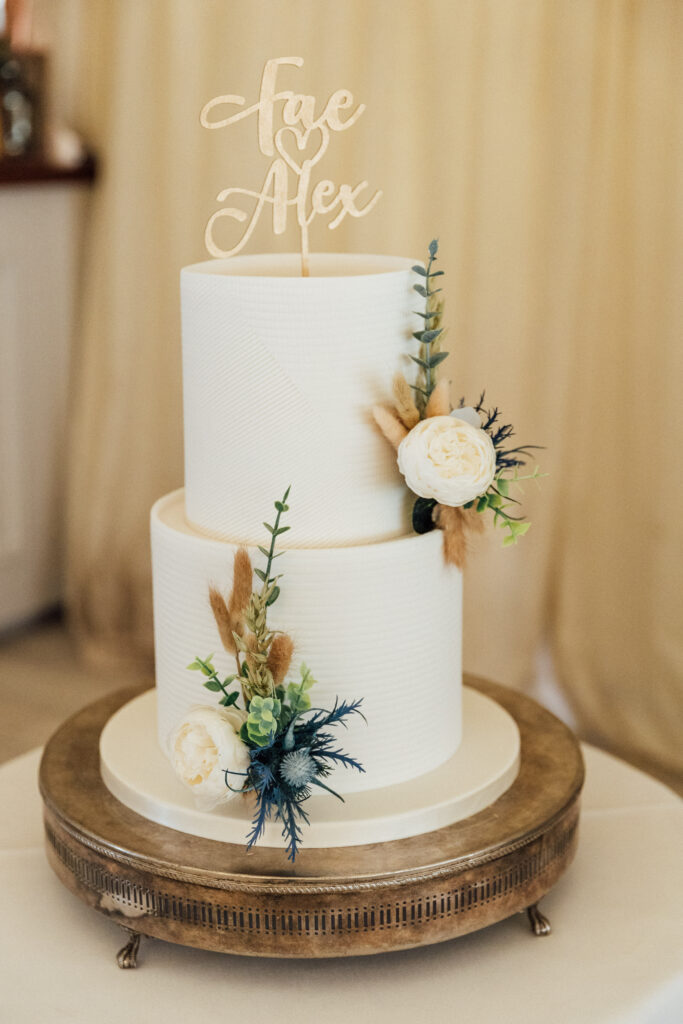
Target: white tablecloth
615,953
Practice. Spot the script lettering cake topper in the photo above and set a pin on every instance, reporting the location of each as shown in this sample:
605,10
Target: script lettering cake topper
296,147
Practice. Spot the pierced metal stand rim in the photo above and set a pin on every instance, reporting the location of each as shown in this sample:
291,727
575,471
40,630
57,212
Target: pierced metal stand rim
161,883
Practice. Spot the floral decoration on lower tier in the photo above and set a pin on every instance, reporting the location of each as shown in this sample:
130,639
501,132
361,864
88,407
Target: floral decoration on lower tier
276,745
458,462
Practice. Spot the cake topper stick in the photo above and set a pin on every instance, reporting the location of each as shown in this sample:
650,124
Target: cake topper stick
296,146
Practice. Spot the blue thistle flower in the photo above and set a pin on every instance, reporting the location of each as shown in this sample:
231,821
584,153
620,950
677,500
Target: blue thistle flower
298,768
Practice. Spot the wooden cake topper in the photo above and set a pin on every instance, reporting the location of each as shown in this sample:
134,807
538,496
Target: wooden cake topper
296,147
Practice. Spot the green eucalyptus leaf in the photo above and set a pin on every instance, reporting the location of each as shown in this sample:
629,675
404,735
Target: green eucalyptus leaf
429,336
213,685
437,358
261,574
420,270
273,596
433,247
421,290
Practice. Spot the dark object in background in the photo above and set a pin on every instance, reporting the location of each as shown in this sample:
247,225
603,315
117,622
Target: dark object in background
22,104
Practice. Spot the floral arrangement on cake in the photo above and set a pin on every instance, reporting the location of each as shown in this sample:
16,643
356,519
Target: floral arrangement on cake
276,746
458,462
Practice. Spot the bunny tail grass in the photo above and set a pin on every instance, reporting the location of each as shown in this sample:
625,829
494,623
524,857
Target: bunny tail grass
407,411
389,424
439,403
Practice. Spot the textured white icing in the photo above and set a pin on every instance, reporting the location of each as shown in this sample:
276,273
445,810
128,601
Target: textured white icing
377,621
280,374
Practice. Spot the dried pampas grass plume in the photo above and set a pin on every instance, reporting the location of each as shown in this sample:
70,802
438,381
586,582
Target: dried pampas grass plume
389,424
242,586
223,619
456,523
439,403
408,412
280,657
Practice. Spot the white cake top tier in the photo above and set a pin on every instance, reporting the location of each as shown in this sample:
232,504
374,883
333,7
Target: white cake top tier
280,374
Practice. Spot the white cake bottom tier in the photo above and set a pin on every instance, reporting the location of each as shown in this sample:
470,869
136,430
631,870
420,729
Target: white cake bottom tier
483,768
381,622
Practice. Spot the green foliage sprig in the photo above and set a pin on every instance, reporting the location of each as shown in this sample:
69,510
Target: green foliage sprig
213,683
509,461
430,336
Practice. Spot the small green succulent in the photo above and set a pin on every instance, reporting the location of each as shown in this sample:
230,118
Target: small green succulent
262,720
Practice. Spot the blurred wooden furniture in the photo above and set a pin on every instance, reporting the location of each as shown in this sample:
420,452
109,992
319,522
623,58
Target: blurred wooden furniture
42,216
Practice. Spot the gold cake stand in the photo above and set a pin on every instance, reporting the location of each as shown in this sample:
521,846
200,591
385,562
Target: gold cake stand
346,901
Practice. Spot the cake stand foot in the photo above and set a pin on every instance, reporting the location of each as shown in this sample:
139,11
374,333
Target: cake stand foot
127,956
540,925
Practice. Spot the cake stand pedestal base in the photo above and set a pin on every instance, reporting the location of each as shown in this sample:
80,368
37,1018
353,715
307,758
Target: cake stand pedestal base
342,901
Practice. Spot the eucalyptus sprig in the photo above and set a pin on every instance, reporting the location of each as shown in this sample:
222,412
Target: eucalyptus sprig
429,337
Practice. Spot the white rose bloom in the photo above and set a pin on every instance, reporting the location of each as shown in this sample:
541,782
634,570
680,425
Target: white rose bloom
447,458
203,747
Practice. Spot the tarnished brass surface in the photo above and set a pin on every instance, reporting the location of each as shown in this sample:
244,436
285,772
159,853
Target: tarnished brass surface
334,902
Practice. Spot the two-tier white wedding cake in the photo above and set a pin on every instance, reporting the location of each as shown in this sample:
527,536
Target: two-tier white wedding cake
280,375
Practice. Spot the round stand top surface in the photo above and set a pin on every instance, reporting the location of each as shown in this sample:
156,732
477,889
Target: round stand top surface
548,783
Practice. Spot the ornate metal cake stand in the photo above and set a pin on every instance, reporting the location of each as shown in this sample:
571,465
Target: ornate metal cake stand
334,902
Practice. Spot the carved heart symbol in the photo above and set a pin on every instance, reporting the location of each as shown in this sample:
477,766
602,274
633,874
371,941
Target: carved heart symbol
290,141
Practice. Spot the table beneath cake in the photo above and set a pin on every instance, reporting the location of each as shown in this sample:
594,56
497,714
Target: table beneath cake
614,954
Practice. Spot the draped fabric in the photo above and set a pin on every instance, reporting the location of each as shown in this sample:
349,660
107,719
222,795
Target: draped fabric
542,142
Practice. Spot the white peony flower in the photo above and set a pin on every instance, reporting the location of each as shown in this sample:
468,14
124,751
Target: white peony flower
447,458
203,747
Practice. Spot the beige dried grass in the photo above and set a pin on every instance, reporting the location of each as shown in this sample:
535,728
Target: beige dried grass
224,620
407,411
456,524
242,586
390,425
439,403
280,657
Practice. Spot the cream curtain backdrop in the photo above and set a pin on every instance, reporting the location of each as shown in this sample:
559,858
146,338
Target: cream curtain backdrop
542,142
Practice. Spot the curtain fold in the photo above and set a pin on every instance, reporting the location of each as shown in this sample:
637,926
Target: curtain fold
542,143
